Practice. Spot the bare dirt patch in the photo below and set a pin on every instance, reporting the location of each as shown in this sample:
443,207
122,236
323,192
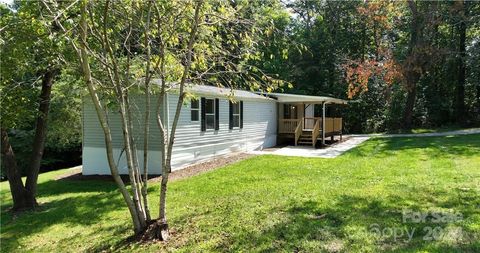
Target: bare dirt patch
72,172
203,167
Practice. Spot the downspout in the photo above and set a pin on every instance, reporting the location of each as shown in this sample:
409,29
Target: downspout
323,123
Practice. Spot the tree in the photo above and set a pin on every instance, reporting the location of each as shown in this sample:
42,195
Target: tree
31,55
388,62
461,57
420,53
124,46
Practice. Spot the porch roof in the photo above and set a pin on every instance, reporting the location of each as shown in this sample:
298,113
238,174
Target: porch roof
294,98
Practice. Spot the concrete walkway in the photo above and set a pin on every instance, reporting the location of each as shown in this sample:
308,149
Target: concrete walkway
352,141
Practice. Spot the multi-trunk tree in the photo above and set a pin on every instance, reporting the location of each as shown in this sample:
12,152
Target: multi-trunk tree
150,48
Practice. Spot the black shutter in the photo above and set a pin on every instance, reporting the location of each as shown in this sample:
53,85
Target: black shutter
230,115
217,114
241,114
203,123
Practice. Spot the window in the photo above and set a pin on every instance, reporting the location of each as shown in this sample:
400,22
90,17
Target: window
289,111
210,113
317,110
236,115
194,109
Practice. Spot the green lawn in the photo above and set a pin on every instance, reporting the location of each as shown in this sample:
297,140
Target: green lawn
273,203
446,128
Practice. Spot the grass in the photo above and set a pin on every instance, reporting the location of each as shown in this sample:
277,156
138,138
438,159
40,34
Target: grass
446,128
272,203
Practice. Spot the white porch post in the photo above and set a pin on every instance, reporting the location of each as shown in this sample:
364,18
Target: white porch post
323,123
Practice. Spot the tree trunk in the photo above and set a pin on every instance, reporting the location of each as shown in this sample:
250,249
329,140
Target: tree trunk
162,219
40,131
162,224
22,199
408,113
460,87
146,130
410,67
24,196
84,61
478,101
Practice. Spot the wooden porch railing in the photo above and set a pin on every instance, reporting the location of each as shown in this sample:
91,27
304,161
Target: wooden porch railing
287,126
298,132
337,124
308,122
316,132
333,125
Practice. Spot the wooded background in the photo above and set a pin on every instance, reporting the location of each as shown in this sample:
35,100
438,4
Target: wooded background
403,65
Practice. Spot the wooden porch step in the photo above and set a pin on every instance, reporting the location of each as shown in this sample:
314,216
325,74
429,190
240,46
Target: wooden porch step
304,142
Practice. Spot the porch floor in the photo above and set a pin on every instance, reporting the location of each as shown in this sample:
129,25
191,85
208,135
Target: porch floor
308,151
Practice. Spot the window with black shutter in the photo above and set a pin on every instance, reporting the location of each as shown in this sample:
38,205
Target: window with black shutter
236,115
209,114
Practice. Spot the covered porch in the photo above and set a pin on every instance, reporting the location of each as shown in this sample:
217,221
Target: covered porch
308,120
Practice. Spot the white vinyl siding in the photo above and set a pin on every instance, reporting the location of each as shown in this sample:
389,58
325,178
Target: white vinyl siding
191,144
94,153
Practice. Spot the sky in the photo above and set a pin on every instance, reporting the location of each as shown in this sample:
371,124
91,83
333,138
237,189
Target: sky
6,1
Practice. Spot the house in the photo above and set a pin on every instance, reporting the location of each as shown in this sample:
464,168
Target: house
217,122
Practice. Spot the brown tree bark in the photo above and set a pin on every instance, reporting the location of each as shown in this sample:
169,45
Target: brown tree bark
24,196
161,225
409,105
460,87
40,131
410,66
478,101
22,199
84,55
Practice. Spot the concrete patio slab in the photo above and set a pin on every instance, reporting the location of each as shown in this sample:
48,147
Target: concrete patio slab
307,151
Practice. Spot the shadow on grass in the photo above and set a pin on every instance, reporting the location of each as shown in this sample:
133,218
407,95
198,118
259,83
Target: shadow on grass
347,226
445,146
59,187
75,203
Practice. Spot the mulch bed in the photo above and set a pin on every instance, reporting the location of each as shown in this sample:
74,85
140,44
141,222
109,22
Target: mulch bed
75,173
203,167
